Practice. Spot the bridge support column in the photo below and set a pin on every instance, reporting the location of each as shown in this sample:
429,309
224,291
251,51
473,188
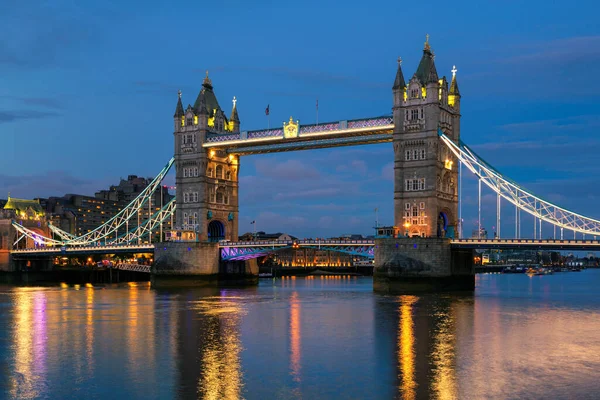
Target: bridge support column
416,265
181,264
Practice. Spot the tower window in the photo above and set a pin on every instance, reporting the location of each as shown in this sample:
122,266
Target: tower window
407,155
228,175
414,93
219,172
414,115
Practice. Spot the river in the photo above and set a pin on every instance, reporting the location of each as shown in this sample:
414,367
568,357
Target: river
304,338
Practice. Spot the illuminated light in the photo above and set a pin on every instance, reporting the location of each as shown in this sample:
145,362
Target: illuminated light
195,120
211,122
405,94
64,285
182,121
448,164
89,285
406,354
424,92
77,287
212,154
451,100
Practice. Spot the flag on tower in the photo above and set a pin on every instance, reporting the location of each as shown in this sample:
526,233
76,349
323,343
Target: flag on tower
317,104
252,223
267,110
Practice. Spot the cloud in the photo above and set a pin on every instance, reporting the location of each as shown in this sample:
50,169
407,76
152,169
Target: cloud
14,115
290,169
160,87
558,52
314,193
50,183
47,102
387,172
306,76
39,36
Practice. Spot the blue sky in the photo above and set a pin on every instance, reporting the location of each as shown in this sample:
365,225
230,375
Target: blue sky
89,90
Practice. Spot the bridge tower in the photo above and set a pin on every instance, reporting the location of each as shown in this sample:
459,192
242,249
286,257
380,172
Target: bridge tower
425,171
206,180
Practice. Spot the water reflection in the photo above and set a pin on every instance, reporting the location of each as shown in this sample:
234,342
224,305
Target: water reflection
295,336
209,345
406,351
426,343
302,338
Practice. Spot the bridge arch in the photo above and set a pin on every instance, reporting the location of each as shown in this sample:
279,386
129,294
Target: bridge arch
446,225
216,231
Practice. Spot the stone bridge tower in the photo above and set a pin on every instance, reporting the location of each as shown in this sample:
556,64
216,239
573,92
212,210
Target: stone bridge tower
425,170
206,180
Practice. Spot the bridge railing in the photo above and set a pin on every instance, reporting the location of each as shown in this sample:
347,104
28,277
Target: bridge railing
525,241
133,267
84,248
299,242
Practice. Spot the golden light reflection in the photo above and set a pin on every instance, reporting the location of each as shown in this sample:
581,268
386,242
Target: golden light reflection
443,358
30,344
295,336
221,377
406,352
89,330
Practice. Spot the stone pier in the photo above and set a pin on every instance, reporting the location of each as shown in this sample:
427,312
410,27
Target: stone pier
178,264
417,265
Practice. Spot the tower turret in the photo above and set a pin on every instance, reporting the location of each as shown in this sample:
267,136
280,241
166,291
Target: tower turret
234,119
178,116
399,88
425,179
454,94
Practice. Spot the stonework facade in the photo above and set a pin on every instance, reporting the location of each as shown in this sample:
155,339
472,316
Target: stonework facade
206,180
425,170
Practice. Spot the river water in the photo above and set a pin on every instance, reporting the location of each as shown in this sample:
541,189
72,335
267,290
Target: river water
304,338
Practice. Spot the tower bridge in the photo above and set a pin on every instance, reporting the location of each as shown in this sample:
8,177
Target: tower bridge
429,155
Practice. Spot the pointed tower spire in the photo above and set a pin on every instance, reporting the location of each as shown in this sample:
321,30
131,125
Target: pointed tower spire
207,82
399,82
454,93
454,84
234,114
179,109
426,71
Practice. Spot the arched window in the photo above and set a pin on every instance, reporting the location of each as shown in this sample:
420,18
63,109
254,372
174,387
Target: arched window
195,171
228,175
209,172
219,197
185,218
186,197
219,172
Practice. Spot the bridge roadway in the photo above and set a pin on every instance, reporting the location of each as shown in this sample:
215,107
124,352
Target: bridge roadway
84,250
358,247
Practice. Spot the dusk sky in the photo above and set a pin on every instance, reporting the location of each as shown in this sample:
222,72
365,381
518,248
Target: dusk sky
89,90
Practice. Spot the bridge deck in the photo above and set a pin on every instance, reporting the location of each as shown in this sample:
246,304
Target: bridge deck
342,245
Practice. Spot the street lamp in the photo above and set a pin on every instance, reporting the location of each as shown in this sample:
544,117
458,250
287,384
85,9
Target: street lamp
406,226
